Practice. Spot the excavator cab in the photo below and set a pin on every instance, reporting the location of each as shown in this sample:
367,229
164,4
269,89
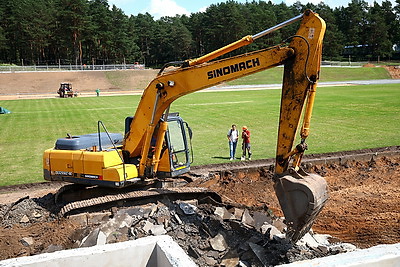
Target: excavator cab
177,138
176,153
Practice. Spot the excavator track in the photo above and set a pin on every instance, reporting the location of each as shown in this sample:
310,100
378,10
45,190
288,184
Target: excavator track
193,192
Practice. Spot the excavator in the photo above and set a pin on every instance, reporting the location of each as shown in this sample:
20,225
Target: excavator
157,143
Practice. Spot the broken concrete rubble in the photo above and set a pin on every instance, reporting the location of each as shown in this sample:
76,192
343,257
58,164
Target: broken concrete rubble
210,235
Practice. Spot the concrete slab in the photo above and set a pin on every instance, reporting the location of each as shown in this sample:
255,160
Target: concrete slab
147,251
382,255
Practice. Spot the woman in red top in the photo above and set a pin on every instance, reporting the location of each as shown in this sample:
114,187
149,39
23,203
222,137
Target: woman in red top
246,143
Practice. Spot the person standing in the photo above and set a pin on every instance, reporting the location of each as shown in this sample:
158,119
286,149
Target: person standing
246,143
233,136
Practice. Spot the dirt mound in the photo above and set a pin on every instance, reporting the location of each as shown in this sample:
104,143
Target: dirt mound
369,65
364,205
394,71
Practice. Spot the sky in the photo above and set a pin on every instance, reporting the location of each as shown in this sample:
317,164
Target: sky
159,8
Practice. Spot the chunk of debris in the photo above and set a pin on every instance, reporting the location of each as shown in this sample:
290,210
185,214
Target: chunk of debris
27,241
187,208
237,213
157,230
24,219
218,243
260,252
260,219
96,237
147,227
53,248
223,213
36,215
247,219
279,224
270,230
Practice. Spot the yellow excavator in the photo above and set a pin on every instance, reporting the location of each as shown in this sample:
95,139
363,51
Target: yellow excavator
157,143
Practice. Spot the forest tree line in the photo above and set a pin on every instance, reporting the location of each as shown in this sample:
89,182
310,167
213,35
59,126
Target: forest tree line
40,32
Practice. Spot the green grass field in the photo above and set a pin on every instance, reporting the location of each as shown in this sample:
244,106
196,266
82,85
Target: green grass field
328,74
344,118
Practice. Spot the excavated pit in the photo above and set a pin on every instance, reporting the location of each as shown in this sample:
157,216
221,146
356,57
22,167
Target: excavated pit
363,209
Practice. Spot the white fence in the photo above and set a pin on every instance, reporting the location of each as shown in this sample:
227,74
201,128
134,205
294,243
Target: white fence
13,68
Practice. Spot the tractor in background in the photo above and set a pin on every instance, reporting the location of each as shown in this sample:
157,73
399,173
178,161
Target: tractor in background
65,90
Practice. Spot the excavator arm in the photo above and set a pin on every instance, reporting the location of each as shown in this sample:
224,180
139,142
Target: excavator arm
169,86
301,59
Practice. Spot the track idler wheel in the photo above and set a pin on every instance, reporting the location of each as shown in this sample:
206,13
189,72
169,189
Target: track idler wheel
301,196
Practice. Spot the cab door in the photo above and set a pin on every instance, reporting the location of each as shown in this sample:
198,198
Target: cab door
177,137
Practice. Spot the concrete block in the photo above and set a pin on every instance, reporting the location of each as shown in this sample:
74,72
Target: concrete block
308,240
231,262
136,211
210,261
101,239
123,220
322,239
160,251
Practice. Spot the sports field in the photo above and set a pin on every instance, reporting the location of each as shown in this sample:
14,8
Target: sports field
344,118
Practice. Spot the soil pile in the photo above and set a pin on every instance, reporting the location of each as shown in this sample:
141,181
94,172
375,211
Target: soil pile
394,71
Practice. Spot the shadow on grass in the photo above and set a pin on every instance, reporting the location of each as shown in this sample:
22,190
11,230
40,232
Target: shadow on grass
227,158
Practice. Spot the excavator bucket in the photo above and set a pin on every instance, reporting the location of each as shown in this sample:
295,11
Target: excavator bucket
301,196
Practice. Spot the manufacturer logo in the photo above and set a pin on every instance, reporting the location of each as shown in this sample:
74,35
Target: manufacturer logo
244,65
